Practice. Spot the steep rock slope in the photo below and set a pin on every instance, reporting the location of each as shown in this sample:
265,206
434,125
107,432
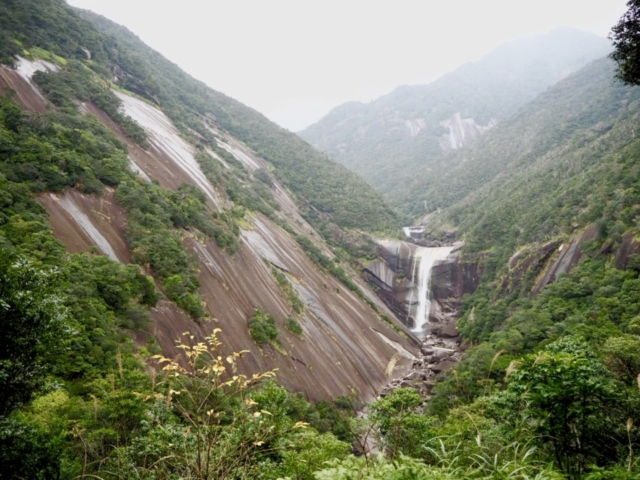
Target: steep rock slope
387,139
293,161
252,251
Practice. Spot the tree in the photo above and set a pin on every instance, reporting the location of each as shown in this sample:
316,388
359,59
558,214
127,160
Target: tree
31,329
571,402
625,36
402,426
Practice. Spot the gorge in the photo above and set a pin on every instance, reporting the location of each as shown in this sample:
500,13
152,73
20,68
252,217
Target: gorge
188,291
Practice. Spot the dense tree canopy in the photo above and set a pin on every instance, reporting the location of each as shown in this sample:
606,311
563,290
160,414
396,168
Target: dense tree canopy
626,40
548,391
31,327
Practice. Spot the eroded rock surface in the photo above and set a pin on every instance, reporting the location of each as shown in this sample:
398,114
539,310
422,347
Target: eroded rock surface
394,277
345,345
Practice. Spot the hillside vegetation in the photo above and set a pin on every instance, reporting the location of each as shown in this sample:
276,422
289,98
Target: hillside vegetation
548,388
546,145
85,390
328,190
564,361
550,381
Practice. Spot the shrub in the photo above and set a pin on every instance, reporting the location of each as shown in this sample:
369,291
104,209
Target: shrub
293,325
262,327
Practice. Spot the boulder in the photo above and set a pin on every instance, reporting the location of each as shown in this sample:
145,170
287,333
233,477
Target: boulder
442,366
441,353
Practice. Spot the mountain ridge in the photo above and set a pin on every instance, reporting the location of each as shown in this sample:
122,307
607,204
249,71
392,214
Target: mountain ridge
409,127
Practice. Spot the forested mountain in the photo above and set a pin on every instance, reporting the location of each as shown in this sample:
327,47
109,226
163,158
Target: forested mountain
562,171
387,139
164,250
547,204
179,296
548,142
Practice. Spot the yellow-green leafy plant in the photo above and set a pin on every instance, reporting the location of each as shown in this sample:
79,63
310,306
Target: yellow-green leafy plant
205,424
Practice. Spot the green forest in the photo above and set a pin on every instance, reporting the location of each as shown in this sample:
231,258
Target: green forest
549,387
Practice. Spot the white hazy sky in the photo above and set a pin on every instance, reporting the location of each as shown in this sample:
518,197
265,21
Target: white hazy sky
293,60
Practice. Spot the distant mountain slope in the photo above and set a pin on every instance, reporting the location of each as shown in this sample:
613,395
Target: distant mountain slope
385,140
548,204
566,160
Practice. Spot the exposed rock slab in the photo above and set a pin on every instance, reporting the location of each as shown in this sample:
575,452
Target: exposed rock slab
22,90
630,246
451,278
81,221
566,257
461,131
345,345
165,138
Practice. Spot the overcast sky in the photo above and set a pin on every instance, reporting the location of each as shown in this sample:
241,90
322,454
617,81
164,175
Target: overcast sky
293,60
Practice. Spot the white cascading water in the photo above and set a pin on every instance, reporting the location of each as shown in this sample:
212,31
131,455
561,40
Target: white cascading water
426,257
414,269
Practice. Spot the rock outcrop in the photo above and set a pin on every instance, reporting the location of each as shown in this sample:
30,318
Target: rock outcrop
393,277
345,345
461,131
436,355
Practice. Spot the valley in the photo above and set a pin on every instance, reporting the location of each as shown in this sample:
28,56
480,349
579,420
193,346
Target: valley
188,290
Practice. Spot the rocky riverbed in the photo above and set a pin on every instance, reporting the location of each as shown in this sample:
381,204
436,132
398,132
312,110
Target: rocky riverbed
437,354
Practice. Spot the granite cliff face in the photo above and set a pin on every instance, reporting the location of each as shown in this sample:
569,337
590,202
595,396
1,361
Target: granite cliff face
395,277
345,344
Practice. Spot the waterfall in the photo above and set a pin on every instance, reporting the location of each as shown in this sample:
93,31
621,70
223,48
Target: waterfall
414,269
426,257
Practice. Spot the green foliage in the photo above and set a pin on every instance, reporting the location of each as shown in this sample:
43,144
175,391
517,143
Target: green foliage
554,148
622,356
396,140
76,82
562,407
595,300
181,290
52,26
324,416
293,325
156,217
102,297
336,197
245,190
153,207
289,291
625,36
262,327
329,264
574,165
106,417
380,468
32,327
54,151
325,188
208,425
402,426
471,378
28,450
571,401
